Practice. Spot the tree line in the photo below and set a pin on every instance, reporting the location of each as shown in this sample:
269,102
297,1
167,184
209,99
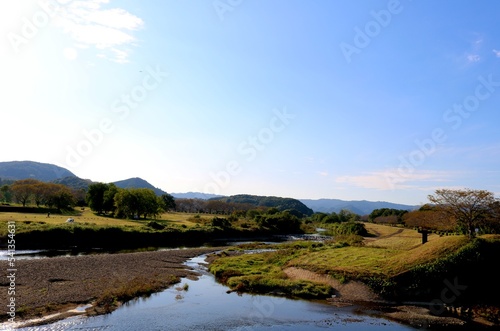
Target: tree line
134,203
100,197
32,191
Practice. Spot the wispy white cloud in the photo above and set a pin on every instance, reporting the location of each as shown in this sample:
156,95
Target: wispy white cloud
108,30
473,58
497,53
396,179
473,53
477,42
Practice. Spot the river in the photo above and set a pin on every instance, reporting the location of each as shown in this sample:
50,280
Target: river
204,305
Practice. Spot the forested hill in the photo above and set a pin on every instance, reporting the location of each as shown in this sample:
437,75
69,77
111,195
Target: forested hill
15,170
268,201
137,182
76,183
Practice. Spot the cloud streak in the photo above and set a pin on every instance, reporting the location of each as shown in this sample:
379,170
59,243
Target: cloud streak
107,30
392,179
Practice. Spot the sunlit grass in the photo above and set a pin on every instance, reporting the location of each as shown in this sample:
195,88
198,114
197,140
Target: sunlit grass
40,221
263,273
376,259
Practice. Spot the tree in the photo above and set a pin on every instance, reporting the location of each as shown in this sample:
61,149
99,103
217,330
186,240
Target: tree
281,222
168,201
23,190
387,212
39,193
62,198
149,203
109,198
427,218
134,202
125,204
95,196
6,193
469,208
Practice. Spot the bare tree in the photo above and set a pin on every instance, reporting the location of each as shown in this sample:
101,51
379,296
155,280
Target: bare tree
469,208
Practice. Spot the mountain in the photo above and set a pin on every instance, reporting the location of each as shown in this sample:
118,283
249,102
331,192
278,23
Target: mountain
195,195
269,201
137,182
360,207
76,183
15,170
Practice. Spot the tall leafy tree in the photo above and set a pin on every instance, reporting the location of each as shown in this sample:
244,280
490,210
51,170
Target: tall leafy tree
109,198
95,196
6,193
136,202
168,202
23,190
469,208
61,197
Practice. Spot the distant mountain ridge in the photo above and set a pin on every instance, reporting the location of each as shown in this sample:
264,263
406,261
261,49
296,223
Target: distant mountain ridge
195,195
360,207
46,172
15,170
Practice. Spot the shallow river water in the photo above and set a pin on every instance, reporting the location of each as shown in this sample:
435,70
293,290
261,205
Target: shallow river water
206,305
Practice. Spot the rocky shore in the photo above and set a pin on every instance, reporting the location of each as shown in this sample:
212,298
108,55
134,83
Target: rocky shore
49,289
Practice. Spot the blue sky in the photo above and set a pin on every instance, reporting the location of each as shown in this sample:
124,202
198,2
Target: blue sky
355,100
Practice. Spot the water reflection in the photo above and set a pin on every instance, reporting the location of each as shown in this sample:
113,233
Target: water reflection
205,305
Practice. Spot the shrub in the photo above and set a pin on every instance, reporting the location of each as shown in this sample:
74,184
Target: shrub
156,225
348,228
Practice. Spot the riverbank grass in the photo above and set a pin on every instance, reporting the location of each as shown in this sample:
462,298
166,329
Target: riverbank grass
392,252
263,272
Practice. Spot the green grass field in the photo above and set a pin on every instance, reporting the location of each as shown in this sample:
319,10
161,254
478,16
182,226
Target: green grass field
31,221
